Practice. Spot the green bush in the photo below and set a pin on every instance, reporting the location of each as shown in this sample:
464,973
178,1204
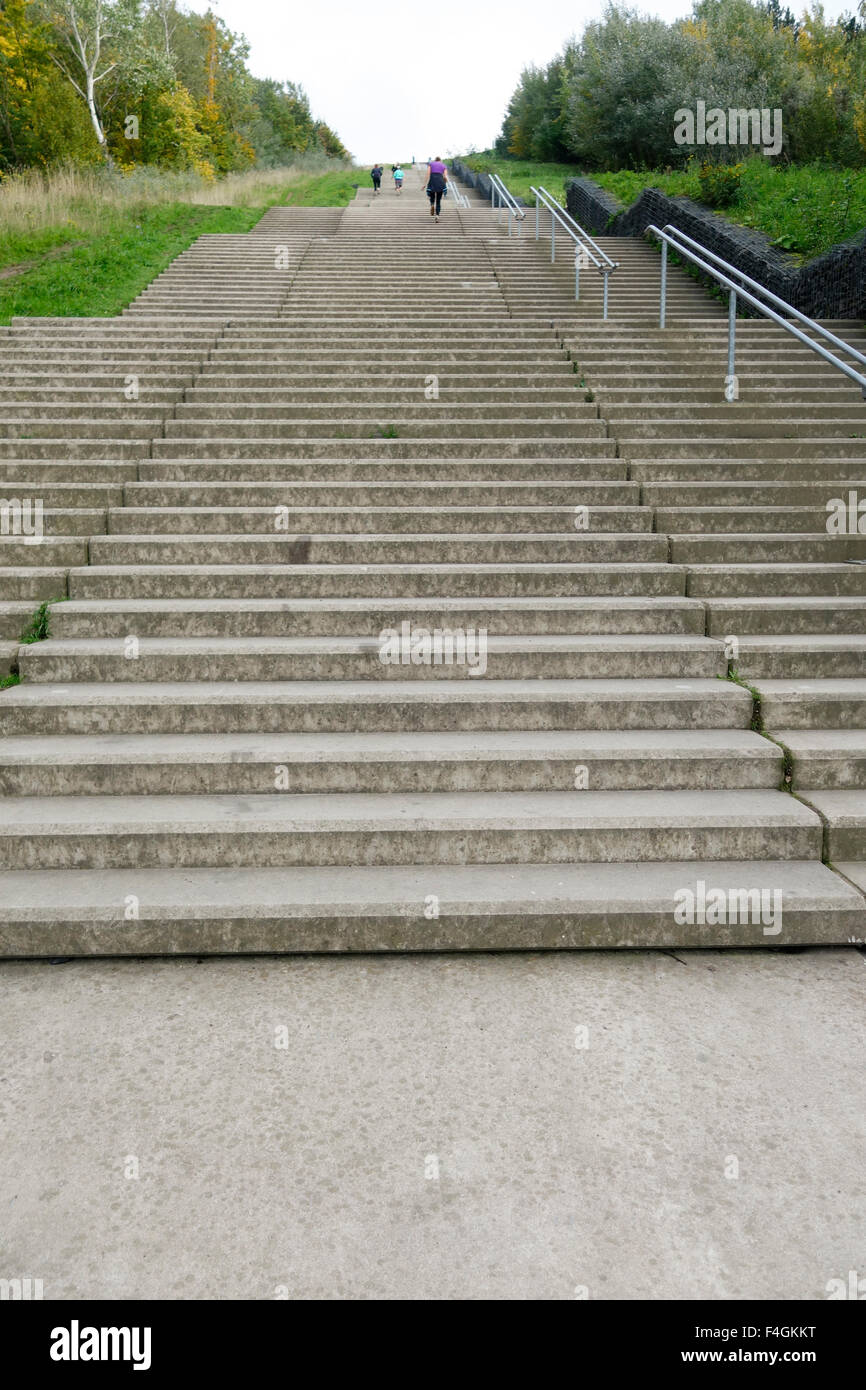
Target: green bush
720,183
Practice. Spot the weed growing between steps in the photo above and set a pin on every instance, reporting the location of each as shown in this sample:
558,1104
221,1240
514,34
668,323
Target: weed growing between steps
37,630
757,720
757,725
7,681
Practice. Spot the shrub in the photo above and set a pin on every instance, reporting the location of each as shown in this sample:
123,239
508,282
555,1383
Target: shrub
720,183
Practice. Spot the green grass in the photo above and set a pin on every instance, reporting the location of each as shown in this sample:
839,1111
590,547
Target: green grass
518,174
803,209
6,682
331,190
94,268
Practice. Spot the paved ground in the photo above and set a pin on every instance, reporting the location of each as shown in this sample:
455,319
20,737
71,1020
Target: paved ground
434,1127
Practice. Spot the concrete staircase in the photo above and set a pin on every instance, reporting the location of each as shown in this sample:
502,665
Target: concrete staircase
352,422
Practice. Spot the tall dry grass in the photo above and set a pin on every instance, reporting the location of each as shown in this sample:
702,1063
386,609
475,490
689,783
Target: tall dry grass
32,201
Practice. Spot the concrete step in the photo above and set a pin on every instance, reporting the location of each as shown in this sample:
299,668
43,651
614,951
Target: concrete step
426,468
844,816
407,828
260,581
555,657
246,618
826,759
366,520
832,703
357,448
374,706
809,656
778,581
33,583
766,548
373,548
175,764
72,912
509,493
788,615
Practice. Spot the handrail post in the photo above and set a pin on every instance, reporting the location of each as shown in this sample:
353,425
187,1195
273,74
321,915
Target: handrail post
606,276
663,304
536,217
552,237
732,341
576,273
509,219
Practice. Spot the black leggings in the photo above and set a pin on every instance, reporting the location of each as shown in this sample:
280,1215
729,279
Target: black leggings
435,196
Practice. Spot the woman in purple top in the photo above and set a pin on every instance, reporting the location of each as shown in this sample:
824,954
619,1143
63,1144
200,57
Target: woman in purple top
437,182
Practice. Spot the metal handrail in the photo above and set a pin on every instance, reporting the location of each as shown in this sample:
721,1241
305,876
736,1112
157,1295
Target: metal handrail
500,197
586,251
679,242
460,199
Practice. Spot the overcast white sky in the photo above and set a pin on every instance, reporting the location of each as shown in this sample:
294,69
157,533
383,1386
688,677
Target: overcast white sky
396,79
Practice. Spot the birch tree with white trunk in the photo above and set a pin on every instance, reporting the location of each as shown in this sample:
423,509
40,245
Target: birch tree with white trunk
94,38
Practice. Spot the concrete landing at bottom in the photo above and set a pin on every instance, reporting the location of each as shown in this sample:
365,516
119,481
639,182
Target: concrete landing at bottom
633,1125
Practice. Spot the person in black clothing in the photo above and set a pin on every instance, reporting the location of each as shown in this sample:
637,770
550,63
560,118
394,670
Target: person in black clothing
376,176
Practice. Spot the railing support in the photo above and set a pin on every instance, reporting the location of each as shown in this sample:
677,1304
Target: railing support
663,301
552,238
577,273
730,394
606,275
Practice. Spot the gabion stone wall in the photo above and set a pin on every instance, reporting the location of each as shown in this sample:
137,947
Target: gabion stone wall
833,286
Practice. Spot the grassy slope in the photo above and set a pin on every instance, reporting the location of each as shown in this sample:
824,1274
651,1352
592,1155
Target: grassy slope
803,209
95,268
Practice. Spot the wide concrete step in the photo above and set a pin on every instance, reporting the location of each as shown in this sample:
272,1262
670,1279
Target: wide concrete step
407,828
363,520
399,653
246,618
373,706
427,467
436,580
423,907
372,548
408,495
190,764
243,427
356,447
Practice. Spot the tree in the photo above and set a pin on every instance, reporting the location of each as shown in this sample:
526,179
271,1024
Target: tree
93,35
